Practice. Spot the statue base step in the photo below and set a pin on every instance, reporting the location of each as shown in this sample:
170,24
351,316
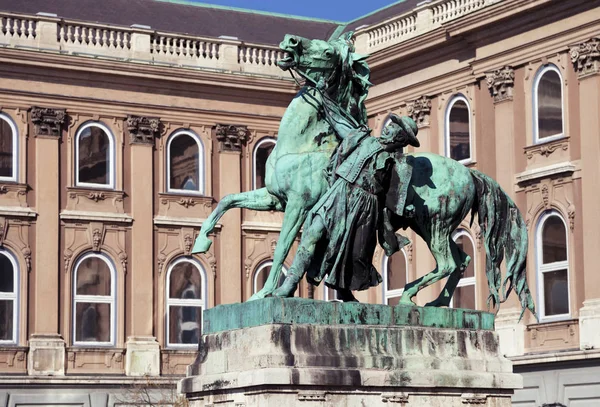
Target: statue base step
288,352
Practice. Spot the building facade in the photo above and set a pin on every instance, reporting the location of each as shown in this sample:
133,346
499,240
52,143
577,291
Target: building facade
123,124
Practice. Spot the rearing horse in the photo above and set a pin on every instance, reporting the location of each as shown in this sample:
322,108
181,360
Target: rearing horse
294,176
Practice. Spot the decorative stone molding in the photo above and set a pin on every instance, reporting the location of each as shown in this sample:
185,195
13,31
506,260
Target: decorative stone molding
84,199
142,129
546,150
409,252
470,398
47,122
586,57
564,169
67,256
96,240
13,359
501,83
188,243
13,195
312,396
394,398
184,207
95,361
419,110
231,137
552,336
175,361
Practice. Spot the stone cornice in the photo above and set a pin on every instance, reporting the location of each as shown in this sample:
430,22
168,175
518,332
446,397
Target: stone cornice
142,129
586,57
47,122
501,83
231,137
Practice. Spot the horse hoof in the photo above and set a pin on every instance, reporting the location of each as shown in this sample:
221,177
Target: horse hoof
258,296
407,301
288,288
436,303
202,244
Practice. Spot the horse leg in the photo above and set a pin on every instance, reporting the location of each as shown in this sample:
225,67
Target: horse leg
440,248
294,217
258,200
462,259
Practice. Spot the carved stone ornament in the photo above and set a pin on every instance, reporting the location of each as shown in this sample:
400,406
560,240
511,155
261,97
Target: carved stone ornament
142,130
586,57
419,110
96,240
231,137
501,83
188,242
47,121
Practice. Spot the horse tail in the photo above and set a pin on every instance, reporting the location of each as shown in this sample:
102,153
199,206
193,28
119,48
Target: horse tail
505,233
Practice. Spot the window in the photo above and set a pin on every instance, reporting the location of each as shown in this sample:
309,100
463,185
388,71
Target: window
458,129
261,152
94,156
94,301
186,288
395,277
262,273
9,292
552,266
8,149
329,294
548,104
464,295
185,163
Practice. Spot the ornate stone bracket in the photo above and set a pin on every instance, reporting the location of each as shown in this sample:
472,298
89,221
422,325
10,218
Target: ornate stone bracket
501,83
232,137
420,110
143,130
47,122
586,57
547,149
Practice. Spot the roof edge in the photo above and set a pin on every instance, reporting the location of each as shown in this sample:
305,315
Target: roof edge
374,11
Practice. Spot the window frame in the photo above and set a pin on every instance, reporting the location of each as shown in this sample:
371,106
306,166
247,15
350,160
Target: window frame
111,156
264,140
15,148
112,300
467,281
201,173
536,124
326,294
183,302
262,265
397,292
541,268
451,103
14,297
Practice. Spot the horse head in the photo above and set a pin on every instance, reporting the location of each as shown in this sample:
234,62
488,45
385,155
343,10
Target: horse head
344,72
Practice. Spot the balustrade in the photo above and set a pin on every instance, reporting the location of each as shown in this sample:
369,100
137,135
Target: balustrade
18,30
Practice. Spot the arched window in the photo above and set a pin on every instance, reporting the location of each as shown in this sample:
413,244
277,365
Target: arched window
552,262
94,301
185,163
548,122
186,299
262,273
464,295
8,148
95,156
395,277
259,161
458,129
9,294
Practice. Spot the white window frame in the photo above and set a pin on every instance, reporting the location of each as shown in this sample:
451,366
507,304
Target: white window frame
111,156
451,103
259,268
201,183
536,128
326,293
544,268
395,293
265,140
184,302
14,297
15,148
467,281
98,299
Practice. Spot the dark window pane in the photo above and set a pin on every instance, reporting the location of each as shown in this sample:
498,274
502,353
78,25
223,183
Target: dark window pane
6,149
184,163
93,277
393,301
94,156
396,271
6,320
184,324
556,292
549,105
464,243
554,240
464,297
459,131
260,168
92,322
185,281
7,275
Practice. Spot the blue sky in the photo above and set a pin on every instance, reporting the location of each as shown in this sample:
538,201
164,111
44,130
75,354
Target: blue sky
339,10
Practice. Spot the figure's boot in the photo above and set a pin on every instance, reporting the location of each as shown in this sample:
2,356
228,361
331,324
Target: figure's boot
289,286
345,295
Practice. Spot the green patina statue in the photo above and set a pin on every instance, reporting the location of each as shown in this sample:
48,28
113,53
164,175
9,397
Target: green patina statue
374,189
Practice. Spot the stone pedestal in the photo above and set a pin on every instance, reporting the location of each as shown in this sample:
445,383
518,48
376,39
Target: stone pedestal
142,357
589,325
46,355
288,352
511,332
